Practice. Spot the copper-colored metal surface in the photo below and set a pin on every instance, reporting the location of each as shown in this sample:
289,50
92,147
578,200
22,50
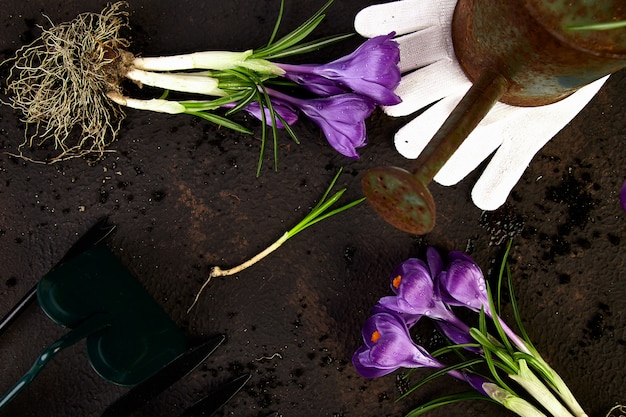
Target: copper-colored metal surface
532,44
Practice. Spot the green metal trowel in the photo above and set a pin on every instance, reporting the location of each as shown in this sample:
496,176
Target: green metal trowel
128,336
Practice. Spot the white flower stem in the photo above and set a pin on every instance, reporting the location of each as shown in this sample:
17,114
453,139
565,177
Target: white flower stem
187,83
557,383
156,105
514,403
213,60
216,271
209,60
533,385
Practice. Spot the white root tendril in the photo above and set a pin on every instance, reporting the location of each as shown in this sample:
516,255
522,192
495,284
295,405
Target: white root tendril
216,271
617,411
59,82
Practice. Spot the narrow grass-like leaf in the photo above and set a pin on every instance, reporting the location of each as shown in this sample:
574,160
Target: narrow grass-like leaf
295,36
496,321
307,47
263,136
221,121
442,372
277,24
516,313
453,348
288,129
335,211
445,400
501,274
319,211
241,104
268,103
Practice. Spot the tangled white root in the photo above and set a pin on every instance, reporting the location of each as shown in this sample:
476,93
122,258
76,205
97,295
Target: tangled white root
59,82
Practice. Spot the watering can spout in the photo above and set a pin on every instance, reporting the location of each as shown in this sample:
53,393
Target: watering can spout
520,52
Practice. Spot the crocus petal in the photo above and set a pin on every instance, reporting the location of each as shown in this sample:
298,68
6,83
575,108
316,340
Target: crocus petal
477,382
463,284
390,306
435,263
313,82
371,70
415,292
387,347
622,196
342,120
457,332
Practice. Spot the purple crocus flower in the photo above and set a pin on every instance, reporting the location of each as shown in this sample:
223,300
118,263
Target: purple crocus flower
341,118
371,70
622,196
414,287
463,283
388,347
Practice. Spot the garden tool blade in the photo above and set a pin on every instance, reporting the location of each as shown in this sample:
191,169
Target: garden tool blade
217,398
154,385
96,234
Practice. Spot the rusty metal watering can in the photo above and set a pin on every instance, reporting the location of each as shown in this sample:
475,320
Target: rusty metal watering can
520,52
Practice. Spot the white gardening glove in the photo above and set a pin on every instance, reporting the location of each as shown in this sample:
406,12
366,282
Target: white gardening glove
432,73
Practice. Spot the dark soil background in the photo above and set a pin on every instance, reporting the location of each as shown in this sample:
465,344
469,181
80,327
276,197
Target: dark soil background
184,197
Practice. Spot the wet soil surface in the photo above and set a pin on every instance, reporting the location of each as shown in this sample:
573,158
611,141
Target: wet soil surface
184,197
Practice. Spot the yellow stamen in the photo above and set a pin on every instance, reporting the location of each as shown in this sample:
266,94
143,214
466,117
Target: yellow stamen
396,281
375,336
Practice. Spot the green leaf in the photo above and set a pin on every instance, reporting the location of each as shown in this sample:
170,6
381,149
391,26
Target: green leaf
453,348
221,121
445,400
441,372
516,313
294,36
307,47
288,129
277,24
242,103
263,136
204,105
501,274
270,108
496,321
318,213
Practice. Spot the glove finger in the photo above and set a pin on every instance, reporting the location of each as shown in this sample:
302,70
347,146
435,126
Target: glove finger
419,49
525,133
477,147
411,139
427,85
480,143
403,16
